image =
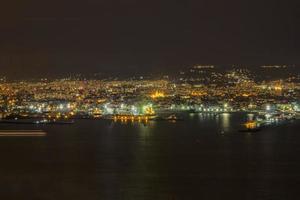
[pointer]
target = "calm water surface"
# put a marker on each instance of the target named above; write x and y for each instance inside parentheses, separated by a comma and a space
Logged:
(204, 157)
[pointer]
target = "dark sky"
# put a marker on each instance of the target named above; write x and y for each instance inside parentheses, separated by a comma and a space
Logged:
(57, 37)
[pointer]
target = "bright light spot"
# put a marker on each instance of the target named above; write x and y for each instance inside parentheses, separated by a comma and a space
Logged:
(157, 94)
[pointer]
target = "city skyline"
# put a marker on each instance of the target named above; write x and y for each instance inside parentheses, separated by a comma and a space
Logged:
(263, 72)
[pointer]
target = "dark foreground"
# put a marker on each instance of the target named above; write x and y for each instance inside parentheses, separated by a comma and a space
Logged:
(204, 157)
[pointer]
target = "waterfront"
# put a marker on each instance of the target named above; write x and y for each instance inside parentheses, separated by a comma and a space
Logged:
(204, 157)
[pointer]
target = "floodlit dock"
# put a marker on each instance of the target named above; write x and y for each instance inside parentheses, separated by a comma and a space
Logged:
(22, 133)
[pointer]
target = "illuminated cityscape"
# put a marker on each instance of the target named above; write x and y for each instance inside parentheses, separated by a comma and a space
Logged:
(201, 89)
(149, 100)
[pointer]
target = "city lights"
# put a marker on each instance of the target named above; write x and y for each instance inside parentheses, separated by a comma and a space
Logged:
(200, 89)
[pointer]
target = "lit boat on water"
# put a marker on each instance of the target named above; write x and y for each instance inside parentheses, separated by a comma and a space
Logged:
(251, 126)
(171, 117)
(174, 118)
(129, 117)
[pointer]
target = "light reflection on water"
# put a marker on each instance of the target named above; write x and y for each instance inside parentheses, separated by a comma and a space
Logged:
(225, 119)
(188, 159)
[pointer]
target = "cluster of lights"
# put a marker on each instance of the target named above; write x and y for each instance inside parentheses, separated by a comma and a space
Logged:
(148, 110)
(157, 94)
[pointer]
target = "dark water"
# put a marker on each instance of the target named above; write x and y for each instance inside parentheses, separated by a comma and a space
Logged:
(204, 157)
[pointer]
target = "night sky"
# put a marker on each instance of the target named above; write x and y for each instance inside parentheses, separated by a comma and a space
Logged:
(60, 37)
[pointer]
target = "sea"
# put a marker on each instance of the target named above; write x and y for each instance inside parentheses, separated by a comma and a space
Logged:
(205, 156)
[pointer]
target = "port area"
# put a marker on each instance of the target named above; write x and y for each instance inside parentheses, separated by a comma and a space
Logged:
(22, 133)
(263, 120)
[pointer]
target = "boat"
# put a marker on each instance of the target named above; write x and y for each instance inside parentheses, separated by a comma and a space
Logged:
(125, 117)
(251, 126)
(171, 117)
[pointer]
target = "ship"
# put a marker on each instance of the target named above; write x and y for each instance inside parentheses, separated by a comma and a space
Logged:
(250, 126)
(125, 117)
(171, 117)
